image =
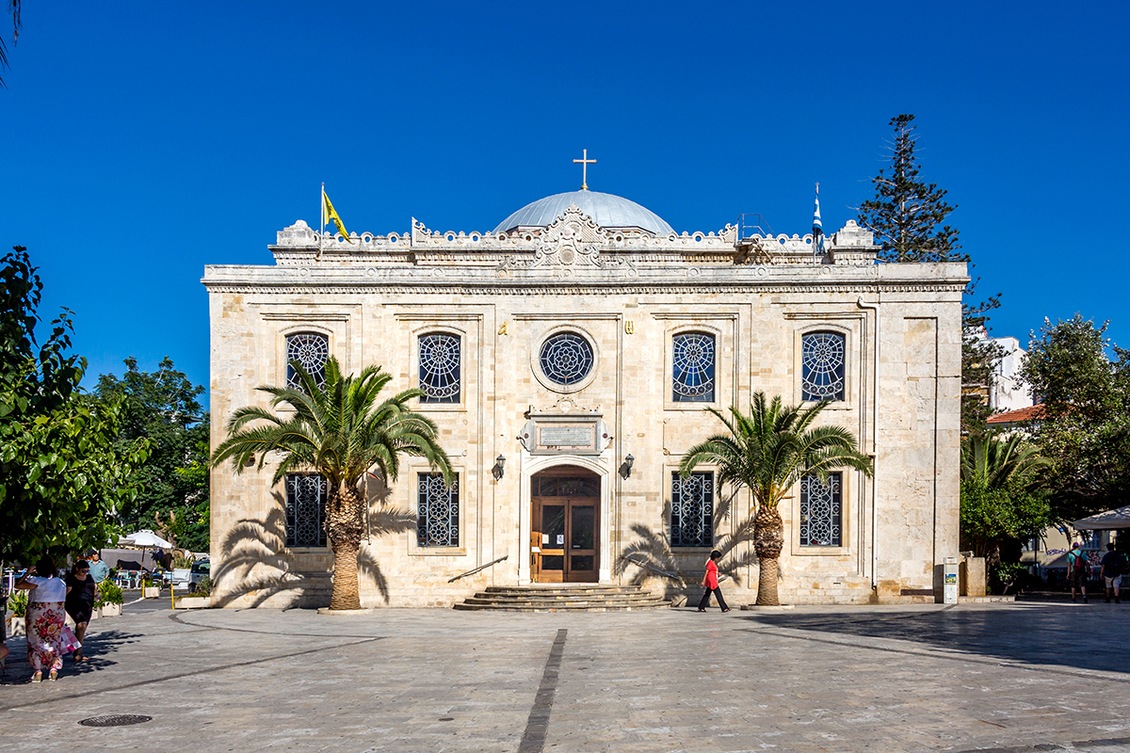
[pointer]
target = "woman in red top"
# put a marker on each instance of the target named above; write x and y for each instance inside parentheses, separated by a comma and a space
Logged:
(710, 583)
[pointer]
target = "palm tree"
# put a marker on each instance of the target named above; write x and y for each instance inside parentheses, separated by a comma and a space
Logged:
(768, 452)
(997, 463)
(1003, 499)
(340, 431)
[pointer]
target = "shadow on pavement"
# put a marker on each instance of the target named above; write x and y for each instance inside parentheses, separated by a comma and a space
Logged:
(99, 650)
(1088, 637)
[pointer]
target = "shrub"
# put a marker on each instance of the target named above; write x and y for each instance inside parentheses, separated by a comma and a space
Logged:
(109, 593)
(17, 603)
(203, 587)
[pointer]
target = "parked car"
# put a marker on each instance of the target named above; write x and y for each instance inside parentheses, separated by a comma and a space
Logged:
(200, 570)
(181, 578)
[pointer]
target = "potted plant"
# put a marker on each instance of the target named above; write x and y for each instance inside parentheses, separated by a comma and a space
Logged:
(17, 613)
(148, 589)
(200, 598)
(110, 598)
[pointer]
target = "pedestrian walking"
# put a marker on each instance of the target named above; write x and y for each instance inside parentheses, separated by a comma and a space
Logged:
(710, 583)
(1078, 570)
(48, 636)
(81, 592)
(1112, 566)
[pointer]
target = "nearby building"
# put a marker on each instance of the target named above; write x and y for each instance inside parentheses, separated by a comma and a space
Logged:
(567, 357)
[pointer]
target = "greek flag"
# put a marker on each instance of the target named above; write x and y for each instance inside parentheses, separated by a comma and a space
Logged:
(817, 226)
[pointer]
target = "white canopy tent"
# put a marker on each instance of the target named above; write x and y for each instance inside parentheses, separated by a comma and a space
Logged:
(1105, 521)
(145, 539)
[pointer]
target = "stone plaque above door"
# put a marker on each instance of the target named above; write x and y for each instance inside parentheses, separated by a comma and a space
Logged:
(564, 429)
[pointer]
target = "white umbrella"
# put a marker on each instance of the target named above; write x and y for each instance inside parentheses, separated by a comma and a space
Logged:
(146, 538)
(1105, 521)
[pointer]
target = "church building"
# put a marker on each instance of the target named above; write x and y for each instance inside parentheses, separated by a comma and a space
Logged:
(568, 356)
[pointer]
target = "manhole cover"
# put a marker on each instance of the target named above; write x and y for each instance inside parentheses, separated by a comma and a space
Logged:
(114, 720)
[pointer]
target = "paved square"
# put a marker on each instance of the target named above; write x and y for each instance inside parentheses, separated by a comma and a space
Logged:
(1016, 677)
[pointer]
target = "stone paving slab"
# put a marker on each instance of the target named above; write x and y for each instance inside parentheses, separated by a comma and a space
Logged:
(1000, 677)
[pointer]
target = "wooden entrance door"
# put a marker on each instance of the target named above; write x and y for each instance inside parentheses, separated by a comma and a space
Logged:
(566, 519)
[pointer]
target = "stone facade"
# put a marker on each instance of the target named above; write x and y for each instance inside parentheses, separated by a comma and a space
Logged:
(630, 295)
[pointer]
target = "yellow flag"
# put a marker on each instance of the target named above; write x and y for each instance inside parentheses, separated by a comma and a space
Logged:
(333, 216)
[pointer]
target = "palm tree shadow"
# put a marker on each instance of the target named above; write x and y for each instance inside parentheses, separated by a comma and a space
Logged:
(383, 521)
(254, 561)
(649, 556)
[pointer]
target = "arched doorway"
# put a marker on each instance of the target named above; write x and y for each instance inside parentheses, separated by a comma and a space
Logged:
(565, 530)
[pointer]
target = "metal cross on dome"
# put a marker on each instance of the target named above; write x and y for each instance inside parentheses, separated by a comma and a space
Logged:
(584, 162)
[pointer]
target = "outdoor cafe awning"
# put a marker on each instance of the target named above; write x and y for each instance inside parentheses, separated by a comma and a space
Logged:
(1105, 521)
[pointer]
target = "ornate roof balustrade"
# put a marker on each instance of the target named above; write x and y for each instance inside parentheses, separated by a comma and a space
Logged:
(573, 239)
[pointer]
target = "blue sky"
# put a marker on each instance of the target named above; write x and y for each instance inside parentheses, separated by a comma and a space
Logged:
(140, 141)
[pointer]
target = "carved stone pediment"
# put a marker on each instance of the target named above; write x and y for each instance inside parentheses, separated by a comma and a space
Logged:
(571, 241)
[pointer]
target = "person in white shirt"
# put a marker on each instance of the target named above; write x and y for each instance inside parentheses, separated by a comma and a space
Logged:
(48, 636)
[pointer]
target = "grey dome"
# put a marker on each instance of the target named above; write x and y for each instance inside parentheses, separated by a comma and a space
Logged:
(605, 209)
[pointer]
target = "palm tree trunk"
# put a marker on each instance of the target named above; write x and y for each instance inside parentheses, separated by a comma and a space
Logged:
(344, 518)
(768, 540)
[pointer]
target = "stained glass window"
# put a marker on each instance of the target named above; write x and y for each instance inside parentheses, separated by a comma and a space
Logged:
(305, 510)
(439, 368)
(566, 358)
(437, 511)
(693, 367)
(821, 510)
(311, 350)
(692, 509)
(822, 366)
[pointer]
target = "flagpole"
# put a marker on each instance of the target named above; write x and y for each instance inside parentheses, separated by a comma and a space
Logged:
(322, 216)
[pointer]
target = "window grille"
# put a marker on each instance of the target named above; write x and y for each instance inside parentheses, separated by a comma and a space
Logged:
(692, 370)
(311, 350)
(821, 510)
(692, 509)
(566, 358)
(567, 486)
(305, 510)
(439, 368)
(437, 509)
(822, 366)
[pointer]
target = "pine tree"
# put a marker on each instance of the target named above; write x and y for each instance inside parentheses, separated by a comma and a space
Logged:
(906, 213)
(908, 217)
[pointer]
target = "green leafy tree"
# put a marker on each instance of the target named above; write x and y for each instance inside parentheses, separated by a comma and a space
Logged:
(768, 452)
(1002, 502)
(14, 8)
(62, 476)
(162, 406)
(341, 431)
(1085, 427)
(909, 218)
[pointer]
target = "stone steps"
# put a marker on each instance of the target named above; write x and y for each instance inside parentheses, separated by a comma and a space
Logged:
(563, 598)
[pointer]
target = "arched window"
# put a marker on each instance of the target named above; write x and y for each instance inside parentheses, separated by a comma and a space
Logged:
(692, 368)
(821, 510)
(440, 368)
(822, 366)
(692, 509)
(437, 511)
(305, 510)
(566, 358)
(311, 350)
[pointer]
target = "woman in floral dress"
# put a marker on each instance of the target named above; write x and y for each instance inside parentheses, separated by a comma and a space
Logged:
(48, 637)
